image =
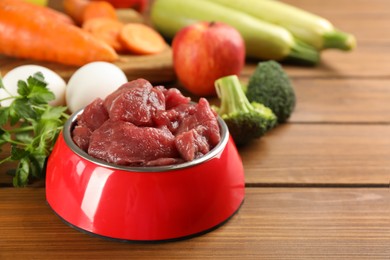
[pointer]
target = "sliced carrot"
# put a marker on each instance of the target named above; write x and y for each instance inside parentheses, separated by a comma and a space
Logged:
(83, 10)
(105, 29)
(138, 5)
(75, 9)
(28, 33)
(141, 39)
(99, 9)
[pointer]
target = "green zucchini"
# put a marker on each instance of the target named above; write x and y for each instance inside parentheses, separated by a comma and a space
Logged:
(306, 26)
(263, 40)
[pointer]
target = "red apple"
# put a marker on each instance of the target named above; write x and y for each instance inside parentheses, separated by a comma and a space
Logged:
(204, 52)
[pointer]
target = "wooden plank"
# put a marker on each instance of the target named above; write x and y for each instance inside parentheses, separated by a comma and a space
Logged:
(341, 6)
(334, 100)
(359, 17)
(272, 224)
(364, 62)
(286, 155)
(312, 154)
(319, 154)
(156, 68)
(342, 100)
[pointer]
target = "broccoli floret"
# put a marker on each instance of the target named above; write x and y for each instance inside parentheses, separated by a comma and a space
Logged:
(245, 120)
(271, 86)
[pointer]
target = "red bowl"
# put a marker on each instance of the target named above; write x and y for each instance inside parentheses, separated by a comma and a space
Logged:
(144, 204)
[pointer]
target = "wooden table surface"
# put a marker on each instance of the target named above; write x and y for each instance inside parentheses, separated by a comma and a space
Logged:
(316, 187)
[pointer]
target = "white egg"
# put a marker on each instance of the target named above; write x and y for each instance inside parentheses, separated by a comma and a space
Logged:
(54, 83)
(91, 81)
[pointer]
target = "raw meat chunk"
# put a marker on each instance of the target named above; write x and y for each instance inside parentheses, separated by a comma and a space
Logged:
(124, 143)
(81, 135)
(142, 125)
(204, 121)
(191, 145)
(94, 115)
(136, 102)
(172, 118)
(174, 98)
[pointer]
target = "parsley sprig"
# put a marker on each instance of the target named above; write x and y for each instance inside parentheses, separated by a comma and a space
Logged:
(30, 126)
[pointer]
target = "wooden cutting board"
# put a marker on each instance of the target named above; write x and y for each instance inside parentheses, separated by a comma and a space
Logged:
(156, 68)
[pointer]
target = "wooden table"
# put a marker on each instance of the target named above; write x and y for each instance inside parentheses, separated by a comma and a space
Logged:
(316, 187)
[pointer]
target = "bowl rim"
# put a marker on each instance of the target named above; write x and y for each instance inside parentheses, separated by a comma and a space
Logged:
(70, 124)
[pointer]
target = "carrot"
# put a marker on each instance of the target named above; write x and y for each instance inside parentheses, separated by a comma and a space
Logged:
(83, 10)
(138, 5)
(141, 39)
(75, 9)
(99, 9)
(46, 11)
(28, 33)
(105, 29)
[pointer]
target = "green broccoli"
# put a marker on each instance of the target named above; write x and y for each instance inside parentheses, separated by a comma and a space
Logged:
(271, 86)
(245, 120)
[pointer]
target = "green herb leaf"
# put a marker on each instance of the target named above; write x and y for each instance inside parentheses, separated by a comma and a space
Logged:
(23, 88)
(18, 153)
(5, 136)
(46, 131)
(14, 117)
(40, 95)
(24, 136)
(2, 138)
(23, 109)
(22, 172)
(37, 80)
(38, 126)
(1, 82)
(4, 114)
(37, 164)
(53, 113)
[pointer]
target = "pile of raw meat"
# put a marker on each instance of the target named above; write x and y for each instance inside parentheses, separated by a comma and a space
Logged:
(142, 125)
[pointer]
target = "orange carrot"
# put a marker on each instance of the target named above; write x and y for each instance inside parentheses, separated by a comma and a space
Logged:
(138, 5)
(83, 10)
(99, 9)
(46, 11)
(141, 39)
(105, 29)
(28, 33)
(75, 9)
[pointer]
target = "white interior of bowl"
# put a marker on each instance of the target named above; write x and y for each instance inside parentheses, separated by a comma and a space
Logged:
(70, 123)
